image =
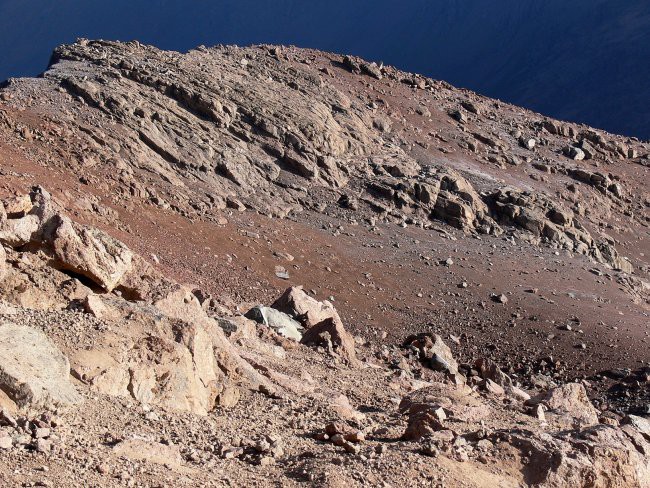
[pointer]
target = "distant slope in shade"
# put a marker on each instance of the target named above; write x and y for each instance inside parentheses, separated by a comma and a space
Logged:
(584, 61)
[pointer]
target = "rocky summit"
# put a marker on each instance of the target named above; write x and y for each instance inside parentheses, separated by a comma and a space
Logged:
(272, 266)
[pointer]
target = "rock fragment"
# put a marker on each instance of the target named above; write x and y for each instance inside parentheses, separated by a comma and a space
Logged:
(33, 372)
(331, 334)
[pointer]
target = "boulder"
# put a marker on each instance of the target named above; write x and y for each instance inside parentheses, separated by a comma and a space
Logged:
(489, 370)
(434, 352)
(574, 153)
(90, 253)
(171, 380)
(34, 373)
(17, 206)
(429, 408)
(101, 371)
(276, 320)
(569, 404)
(18, 232)
(597, 456)
(639, 423)
(331, 334)
(305, 309)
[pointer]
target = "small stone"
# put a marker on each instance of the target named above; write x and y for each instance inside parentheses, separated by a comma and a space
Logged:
(42, 433)
(528, 143)
(439, 414)
(5, 442)
(492, 387)
(356, 437)
(351, 448)
(281, 272)
(430, 450)
(43, 445)
(267, 461)
(232, 453)
(499, 298)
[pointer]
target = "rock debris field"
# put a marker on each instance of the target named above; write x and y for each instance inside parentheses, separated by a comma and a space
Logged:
(273, 266)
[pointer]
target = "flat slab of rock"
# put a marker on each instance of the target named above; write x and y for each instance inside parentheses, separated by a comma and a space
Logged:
(33, 371)
(153, 452)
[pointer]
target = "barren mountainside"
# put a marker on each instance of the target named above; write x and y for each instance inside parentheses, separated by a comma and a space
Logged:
(274, 266)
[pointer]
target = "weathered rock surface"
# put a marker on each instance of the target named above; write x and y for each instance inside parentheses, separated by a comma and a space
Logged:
(331, 334)
(569, 402)
(176, 356)
(199, 132)
(278, 321)
(434, 352)
(305, 309)
(91, 253)
(34, 374)
(174, 152)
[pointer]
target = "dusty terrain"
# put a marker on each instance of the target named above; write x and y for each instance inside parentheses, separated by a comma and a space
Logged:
(409, 205)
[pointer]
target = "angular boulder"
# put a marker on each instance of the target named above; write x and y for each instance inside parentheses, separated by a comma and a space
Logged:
(569, 404)
(305, 309)
(90, 253)
(276, 320)
(489, 370)
(331, 334)
(433, 352)
(597, 456)
(428, 409)
(18, 232)
(33, 371)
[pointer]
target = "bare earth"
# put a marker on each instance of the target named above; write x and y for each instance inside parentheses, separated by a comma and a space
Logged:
(410, 206)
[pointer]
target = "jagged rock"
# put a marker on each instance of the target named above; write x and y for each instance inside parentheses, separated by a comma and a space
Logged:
(527, 143)
(331, 333)
(640, 424)
(18, 232)
(188, 364)
(278, 321)
(471, 107)
(489, 370)
(305, 309)
(429, 407)
(372, 69)
(100, 370)
(33, 372)
(569, 404)
(350, 63)
(434, 352)
(574, 153)
(90, 253)
(459, 116)
(596, 456)
(16, 207)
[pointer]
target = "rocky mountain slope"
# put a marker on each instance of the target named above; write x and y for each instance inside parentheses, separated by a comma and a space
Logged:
(474, 278)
